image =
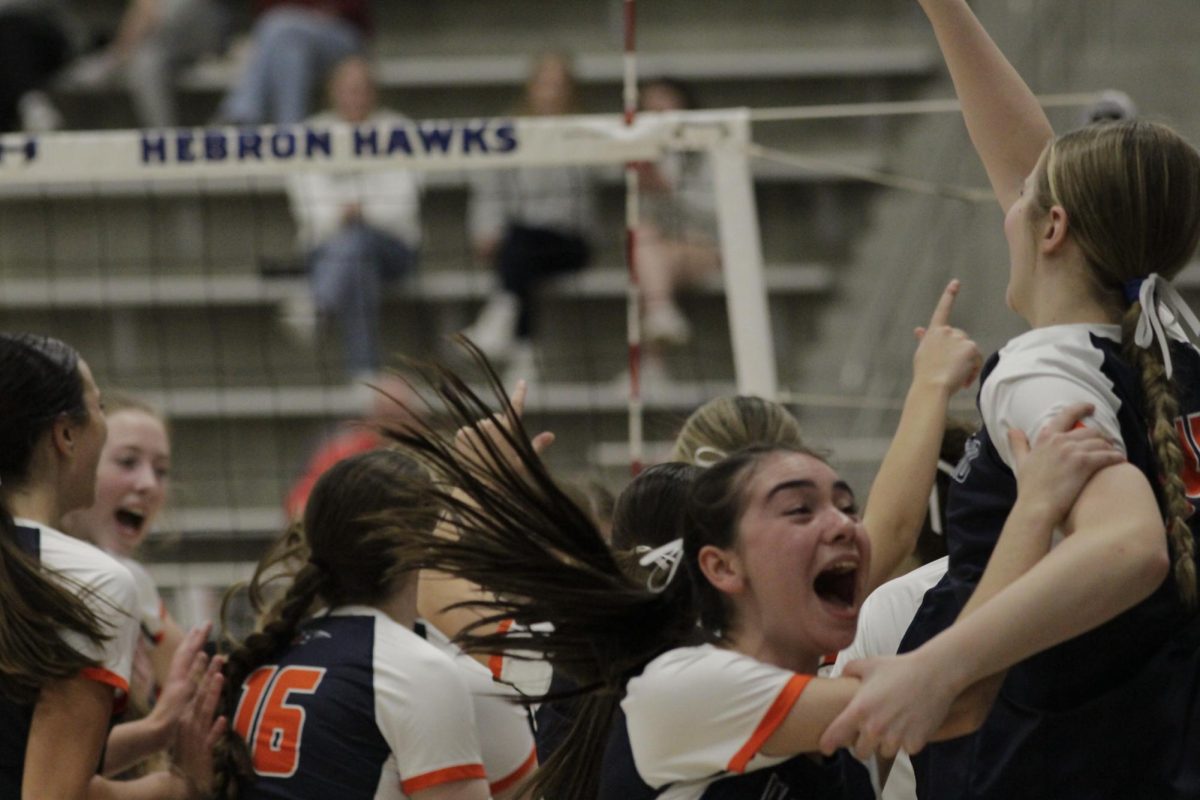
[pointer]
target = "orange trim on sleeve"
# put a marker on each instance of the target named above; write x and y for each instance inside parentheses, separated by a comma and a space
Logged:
(516, 775)
(496, 662)
(774, 717)
(829, 659)
(463, 772)
(101, 675)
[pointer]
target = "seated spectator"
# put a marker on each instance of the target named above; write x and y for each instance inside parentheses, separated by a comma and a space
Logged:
(36, 40)
(531, 224)
(358, 230)
(154, 41)
(296, 43)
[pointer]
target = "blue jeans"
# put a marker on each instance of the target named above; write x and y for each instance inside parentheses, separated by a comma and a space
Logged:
(348, 273)
(294, 49)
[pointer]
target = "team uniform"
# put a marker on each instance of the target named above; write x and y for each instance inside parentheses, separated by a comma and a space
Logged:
(884, 617)
(151, 610)
(358, 708)
(694, 722)
(505, 735)
(1112, 713)
(108, 589)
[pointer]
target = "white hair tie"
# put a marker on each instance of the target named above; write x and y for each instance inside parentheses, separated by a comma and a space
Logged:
(1160, 301)
(665, 560)
(706, 456)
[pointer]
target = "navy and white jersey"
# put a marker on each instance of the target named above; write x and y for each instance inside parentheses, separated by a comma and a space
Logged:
(1068, 719)
(358, 708)
(108, 589)
(152, 611)
(505, 732)
(696, 719)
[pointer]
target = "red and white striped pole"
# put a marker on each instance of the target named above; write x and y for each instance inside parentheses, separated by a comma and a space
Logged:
(633, 294)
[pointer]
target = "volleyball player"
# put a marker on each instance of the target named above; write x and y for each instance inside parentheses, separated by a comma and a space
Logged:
(337, 696)
(69, 623)
(1097, 222)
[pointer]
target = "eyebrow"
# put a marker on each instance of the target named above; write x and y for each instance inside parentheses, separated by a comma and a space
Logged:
(783, 487)
(842, 486)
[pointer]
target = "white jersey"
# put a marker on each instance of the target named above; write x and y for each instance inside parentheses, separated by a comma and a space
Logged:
(107, 588)
(885, 616)
(505, 735)
(697, 714)
(358, 708)
(152, 611)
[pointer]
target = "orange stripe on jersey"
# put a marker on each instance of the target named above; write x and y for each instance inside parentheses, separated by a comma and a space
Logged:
(829, 659)
(463, 772)
(496, 662)
(511, 780)
(102, 675)
(774, 717)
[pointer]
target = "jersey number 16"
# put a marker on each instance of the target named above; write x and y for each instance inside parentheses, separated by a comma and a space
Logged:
(271, 727)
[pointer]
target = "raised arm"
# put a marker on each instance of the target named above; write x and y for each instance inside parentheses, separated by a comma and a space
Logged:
(946, 361)
(1005, 121)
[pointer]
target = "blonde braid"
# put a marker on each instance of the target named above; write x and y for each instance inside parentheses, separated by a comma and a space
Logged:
(1162, 407)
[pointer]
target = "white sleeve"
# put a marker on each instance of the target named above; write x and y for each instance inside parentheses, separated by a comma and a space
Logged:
(1038, 385)
(316, 203)
(112, 595)
(696, 712)
(505, 735)
(151, 610)
(424, 713)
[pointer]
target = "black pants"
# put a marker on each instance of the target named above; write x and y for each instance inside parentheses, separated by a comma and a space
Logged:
(528, 257)
(32, 48)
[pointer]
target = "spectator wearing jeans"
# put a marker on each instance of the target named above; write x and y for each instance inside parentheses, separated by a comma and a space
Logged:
(295, 44)
(359, 230)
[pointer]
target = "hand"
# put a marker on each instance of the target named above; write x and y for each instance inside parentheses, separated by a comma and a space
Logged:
(1065, 456)
(473, 441)
(899, 705)
(186, 670)
(946, 356)
(198, 733)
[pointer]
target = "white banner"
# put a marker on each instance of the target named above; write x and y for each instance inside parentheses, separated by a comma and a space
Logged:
(221, 153)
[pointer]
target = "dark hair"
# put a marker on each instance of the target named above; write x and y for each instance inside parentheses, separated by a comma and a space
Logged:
(686, 94)
(648, 511)
(346, 552)
(544, 561)
(39, 382)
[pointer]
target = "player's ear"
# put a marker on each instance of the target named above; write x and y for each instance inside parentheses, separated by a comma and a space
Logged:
(722, 568)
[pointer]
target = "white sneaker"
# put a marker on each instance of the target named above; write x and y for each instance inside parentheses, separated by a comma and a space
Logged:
(664, 323)
(522, 364)
(38, 114)
(494, 330)
(298, 315)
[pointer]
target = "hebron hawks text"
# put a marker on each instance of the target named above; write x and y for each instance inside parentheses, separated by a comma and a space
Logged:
(418, 139)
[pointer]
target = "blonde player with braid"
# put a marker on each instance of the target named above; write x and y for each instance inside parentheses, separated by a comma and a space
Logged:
(1100, 636)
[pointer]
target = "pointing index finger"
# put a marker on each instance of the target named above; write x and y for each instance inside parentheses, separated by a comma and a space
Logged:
(941, 314)
(517, 398)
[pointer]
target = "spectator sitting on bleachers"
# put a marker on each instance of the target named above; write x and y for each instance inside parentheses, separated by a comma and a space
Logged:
(37, 38)
(531, 224)
(358, 230)
(154, 41)
(295, 44)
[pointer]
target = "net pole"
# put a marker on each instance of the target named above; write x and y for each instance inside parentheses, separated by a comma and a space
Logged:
(632, 214)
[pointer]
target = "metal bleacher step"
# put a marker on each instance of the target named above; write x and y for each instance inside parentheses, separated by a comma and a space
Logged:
(432, 285)
(458, 71)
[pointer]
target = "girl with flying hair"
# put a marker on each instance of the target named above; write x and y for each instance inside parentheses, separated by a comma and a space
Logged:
(69, 625)
(1099, 637)
(337, 695)
(712, 657)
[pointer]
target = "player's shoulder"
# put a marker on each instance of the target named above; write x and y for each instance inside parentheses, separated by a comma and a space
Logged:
(86, 564)
(401, 650)
(1058, 348)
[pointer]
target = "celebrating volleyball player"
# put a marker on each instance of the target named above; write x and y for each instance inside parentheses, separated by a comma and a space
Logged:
(69, 624)
(337, 696)
(1100, 634)
(773, 563)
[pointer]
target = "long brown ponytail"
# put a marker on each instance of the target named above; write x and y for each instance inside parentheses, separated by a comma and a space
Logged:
(39, 381)
(1131, 191)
